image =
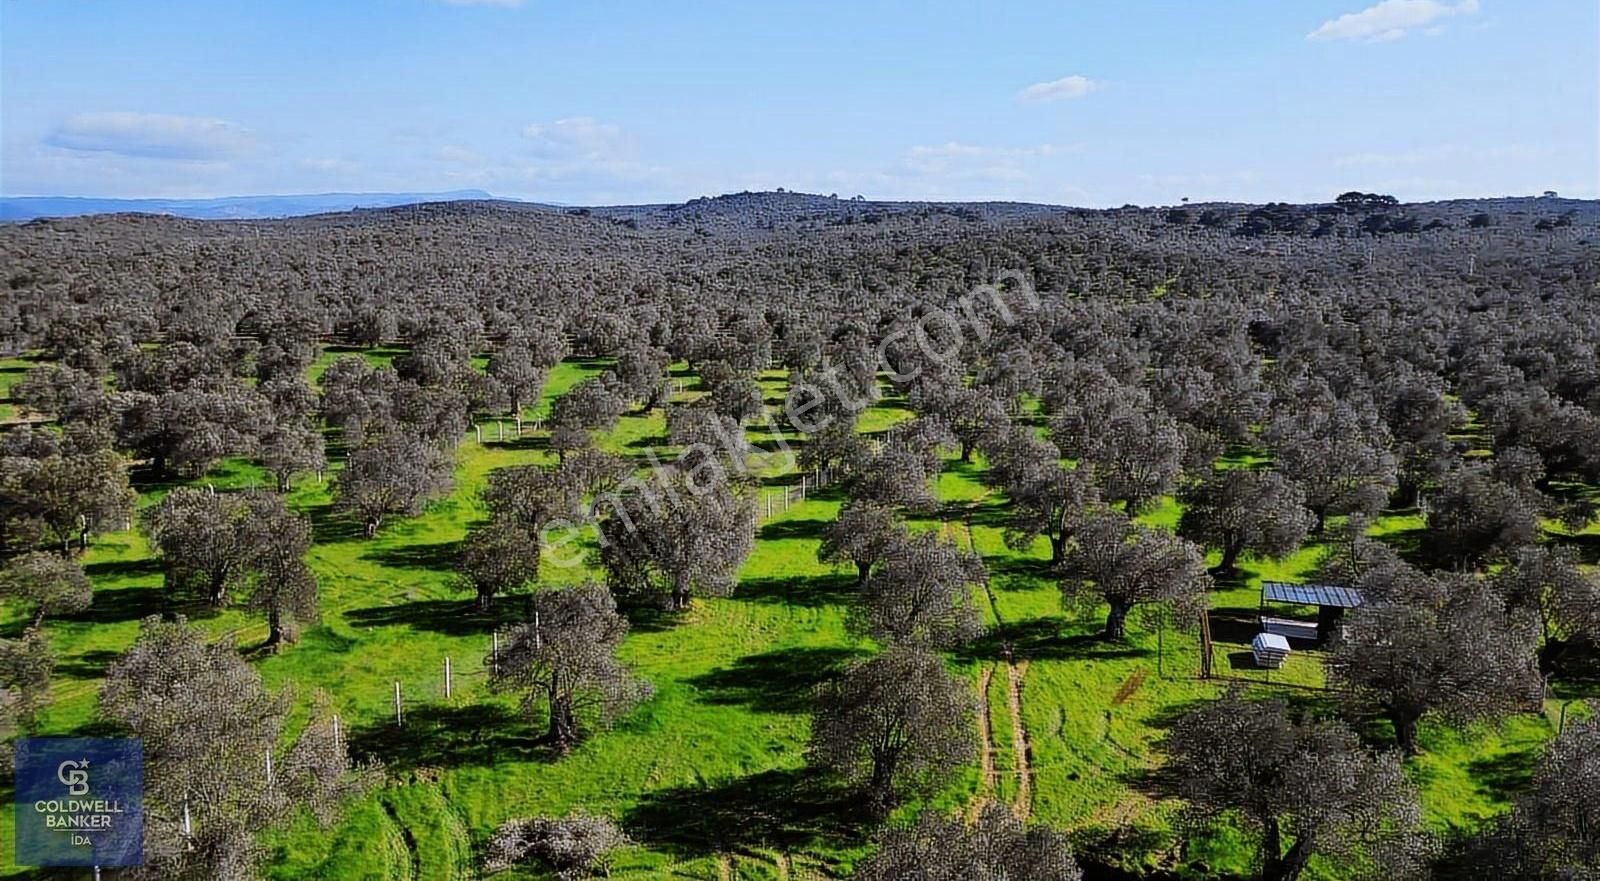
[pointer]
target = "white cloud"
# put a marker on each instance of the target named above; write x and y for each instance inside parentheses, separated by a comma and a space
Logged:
(152, 136)
(1074, 86)
(577, 138)
(1391, 20)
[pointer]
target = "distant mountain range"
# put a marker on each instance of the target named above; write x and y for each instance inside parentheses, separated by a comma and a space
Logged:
(226, 208)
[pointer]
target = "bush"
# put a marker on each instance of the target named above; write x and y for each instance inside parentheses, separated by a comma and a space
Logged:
(578, 846)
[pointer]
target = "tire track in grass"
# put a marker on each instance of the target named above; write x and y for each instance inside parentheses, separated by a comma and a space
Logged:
(986, 774)
(406, 837)
(1021, 749)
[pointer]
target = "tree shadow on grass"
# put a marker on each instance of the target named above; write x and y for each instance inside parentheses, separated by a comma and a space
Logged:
(780, 681)
(116, 604)
(1506, 775)
(449, 617)
(799, 527)
(329, 525)
(1040, 639)
(476, 735)
(1234, 624)
(89, 665)
(806, 592)
(788, 810)
(1037, 568)
(439, 557)
(1586, 546)
(149, 567)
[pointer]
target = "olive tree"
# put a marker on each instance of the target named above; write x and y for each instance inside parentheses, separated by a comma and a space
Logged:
(1450, 647)
(1045, 497)
(573, 847)
(1125, 565)
(894, 725)
(860, 535)
(45, 584)
(1242, 510)
(922, 594)
(393, 476)
(563, 664)
(676, 538)
(498, 557)
(1307, 788)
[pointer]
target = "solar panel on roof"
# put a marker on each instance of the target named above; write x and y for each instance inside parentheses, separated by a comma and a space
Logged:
(1311, 594)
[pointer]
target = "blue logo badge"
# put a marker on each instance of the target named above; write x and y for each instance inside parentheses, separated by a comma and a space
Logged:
(80, 801)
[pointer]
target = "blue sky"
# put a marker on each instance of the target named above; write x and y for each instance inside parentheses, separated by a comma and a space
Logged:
(1087, 103)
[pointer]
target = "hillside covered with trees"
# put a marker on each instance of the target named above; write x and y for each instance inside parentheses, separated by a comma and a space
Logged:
(776, 535)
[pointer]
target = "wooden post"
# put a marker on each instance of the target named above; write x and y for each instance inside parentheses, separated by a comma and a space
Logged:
(1205, 644)
(447, 676)
(338, 735)
(769, 506)
(494, 653)
(501, 427)
(399, 714)
(269, 767)
(478, 429)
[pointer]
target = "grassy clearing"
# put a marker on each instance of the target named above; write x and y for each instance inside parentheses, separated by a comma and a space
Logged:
(703, 773)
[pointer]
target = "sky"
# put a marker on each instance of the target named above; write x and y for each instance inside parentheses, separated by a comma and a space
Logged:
(1070, 102)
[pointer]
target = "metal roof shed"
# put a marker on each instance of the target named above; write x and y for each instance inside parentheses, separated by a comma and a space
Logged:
(1330, 599)
(1326, 595)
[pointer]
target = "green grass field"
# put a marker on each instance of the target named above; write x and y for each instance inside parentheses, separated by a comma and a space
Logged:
(701, 775)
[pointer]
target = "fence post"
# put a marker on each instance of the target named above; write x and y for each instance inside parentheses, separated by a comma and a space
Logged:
(447, 676)
(479, 430)
(501, 427)
(399, 714)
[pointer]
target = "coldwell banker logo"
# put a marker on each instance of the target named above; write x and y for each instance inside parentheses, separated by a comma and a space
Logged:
(80, 801)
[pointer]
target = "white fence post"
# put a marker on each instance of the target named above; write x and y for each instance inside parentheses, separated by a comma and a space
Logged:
(399, 714)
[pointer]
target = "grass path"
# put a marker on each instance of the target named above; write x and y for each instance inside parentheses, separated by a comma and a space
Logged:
(986, 749)
(1020, 748)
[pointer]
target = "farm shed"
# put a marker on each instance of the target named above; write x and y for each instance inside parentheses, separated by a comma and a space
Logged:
(1331, 602)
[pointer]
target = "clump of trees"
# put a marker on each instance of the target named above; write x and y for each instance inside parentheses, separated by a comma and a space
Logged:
(219, 546)
(218, 768)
